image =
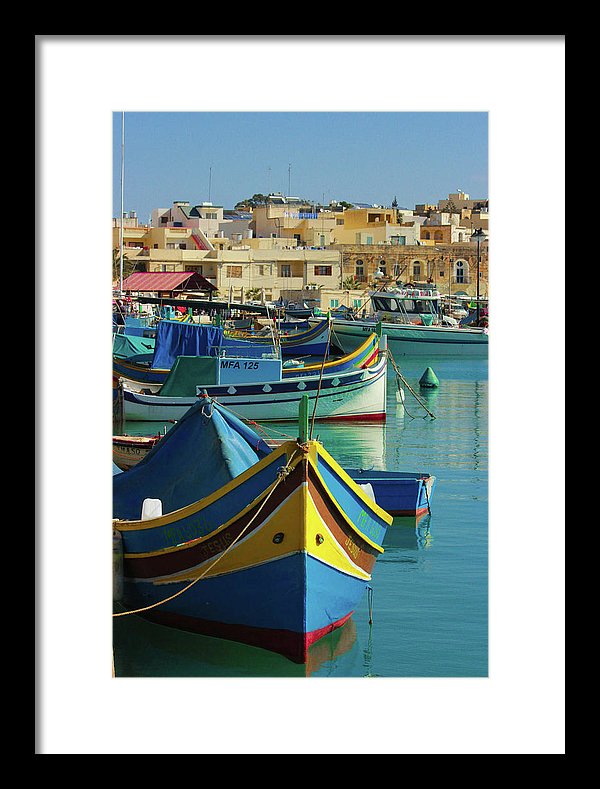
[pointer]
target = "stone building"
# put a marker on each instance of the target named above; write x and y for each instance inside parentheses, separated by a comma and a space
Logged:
(452, 267)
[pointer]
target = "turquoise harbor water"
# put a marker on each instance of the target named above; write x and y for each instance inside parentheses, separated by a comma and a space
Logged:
(429, 601)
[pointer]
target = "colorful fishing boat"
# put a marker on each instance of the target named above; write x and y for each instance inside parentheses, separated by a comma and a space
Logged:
(408, 339)
(414, 321)
(277, 557)
(256, 390)
(313, 341)
(141, 375)
(129, 450)
(400, 493)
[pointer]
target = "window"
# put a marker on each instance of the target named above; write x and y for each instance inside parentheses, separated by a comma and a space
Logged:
(386, 305)
(163, 220)
(369, 239)
(356, 303)
(182, 246)
(322, 271)
(359, 270)
(234, 272)
(286, 270)
(382, 267)
(459, 272)
(334, 302)
(416, 270)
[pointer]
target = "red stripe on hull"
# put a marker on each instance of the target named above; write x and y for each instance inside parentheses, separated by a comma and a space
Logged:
(371, 360)
(293, 646)
(356, 418)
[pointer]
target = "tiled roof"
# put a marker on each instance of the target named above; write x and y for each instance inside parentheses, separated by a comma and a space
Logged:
(165, 280)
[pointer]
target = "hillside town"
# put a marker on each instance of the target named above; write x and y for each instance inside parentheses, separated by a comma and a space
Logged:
(281, 248)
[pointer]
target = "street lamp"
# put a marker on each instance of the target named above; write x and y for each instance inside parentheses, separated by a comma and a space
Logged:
(478, 236)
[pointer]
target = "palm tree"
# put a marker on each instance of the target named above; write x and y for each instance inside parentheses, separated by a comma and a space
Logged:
(129, 266)
(350, 283)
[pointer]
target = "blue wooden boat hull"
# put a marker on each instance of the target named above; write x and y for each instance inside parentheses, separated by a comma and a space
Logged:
(282, 554)
(397, 492)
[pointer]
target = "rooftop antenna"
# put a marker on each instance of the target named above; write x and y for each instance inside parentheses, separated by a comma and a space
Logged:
(209, 181)
(289, 179)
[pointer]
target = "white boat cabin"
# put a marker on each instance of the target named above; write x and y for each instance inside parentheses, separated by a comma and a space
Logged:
(408, 305)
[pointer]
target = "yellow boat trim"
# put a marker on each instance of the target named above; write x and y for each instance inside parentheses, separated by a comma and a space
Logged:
(351, 483)
(350, 356)
(190, 509)
(255, 548)
(368, 502)
(299, 521)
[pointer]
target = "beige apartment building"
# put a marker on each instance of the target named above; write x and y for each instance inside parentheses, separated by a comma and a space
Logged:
(300, 223)
(261, 265)
(377, 226)
(293, 248)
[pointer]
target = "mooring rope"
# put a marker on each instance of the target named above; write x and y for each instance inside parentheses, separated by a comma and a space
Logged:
(282, 473)
(254, 424)
(408, 386)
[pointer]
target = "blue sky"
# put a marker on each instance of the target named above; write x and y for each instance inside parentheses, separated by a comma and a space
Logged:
(368, 157)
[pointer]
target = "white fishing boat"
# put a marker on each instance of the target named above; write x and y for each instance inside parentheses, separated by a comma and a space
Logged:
(414, 323)
(255, 389)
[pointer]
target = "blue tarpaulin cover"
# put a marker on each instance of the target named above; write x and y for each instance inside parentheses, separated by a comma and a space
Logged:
(203, 451)
(174, 338)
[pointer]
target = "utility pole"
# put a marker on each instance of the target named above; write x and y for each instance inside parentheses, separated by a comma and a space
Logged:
(121, 220)
(478, 235)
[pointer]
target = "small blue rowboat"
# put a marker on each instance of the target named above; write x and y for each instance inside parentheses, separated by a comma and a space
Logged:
(401, 493)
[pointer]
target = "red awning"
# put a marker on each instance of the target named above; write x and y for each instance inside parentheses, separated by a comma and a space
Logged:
(167, 280)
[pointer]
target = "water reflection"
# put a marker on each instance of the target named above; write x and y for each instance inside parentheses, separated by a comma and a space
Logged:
(353, 445)
(146, 649)
(408, 533)
(368, 656)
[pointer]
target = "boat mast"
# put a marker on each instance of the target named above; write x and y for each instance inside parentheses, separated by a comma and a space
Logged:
(121, 221)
